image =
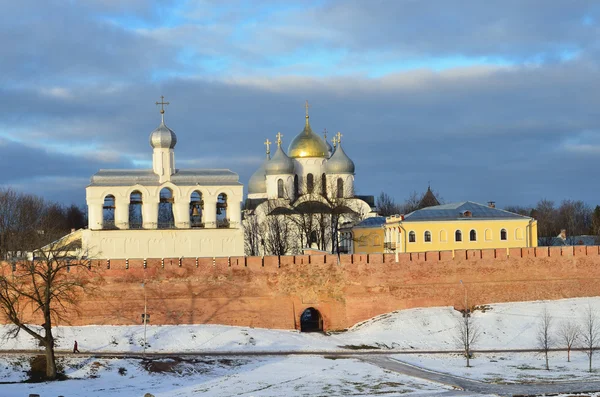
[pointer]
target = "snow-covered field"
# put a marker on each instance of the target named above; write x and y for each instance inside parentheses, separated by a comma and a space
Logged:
(503, 326)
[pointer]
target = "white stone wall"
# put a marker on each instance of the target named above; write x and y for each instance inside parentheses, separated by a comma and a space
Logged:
(161, 243)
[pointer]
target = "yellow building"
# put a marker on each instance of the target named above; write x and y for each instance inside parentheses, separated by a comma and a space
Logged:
(368, 236)
(464, 225)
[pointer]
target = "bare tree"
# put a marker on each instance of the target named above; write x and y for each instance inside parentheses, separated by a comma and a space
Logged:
(252, 234)
(590, 333)
(386, 205)
(569, 334)
(544, 338)
(45, 288)
(467, 334)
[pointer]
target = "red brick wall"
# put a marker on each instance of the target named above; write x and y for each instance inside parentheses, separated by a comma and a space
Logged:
(272, 292)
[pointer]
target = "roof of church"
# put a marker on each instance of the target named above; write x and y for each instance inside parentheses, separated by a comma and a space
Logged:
(204, 177)
(428, 199)
(455, 211)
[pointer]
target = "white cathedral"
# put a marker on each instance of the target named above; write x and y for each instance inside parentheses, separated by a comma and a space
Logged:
(302, 199)
(163, 212)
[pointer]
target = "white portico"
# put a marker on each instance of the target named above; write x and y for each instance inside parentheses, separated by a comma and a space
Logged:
(164, 211)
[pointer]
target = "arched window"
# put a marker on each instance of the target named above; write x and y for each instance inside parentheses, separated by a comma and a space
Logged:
(324, 185)
(488, 235)
(296, 187)
(313, 237)
(108, 212)
(310, 183)
(340, 188)
(412, 237)
(165, 209)
(196, 209)
(135, 210)
(443, 236)
(427, 237)
(458, 236)
(222, 218)
(279, 188)
(503, 235)
(519, 234)
(473, 235)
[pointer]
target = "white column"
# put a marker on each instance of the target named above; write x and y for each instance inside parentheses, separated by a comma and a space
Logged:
(122, 212)
(95, 214)
(150, 213)
(181, 213)
(234, 210)
(209, 216)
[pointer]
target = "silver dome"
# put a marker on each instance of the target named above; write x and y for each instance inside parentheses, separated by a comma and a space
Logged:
(280, 163)
(163, 137)
(258, 180)
(329, 148)
(339, 162)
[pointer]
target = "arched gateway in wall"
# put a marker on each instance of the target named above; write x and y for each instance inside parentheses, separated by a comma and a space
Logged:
(311, 320)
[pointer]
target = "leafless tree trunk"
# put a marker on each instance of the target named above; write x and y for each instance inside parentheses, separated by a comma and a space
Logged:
(544, 338)
(467, 334)
(45, 286)
(590, 333)
(569, 334)
(252, 235)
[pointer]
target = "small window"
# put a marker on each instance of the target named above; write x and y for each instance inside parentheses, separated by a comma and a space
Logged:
(458, 236)
(340, 188)
(427, 236)
(473, 235)
(503, 234)
(296, 187)
(324, 185)
(280, 188)
(412, 237)
(310, 183)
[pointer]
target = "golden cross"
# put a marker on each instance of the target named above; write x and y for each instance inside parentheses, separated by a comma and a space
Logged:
(268, 144)
(339, 137)
(334, 140)
(279, 135)
(325, 133)
(306, 106)
(162, 104)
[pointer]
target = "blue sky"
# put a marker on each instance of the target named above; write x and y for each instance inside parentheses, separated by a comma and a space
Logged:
(493, 100)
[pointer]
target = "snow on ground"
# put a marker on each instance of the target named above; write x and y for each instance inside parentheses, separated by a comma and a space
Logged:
(509, 367)
(221, 377)
(503, 326)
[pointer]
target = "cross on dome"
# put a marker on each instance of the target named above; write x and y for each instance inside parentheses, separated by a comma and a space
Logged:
(268, 145)
(162, 104)
(339, 137)
(279, 135)
(325, 133)
(335, 141)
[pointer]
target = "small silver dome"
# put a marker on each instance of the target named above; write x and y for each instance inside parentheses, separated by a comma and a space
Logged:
(163, 137)
(280, 163)
(258, 180)
(339, 162)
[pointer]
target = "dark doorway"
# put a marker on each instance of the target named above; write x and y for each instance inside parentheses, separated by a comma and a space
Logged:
(311, 321)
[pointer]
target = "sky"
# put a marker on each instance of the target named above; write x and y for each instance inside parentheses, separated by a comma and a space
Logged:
(492, 100)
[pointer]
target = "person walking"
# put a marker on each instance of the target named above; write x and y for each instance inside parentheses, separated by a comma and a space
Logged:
(75, 349)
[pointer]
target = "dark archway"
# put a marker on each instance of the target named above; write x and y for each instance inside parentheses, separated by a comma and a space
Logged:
(311, 320)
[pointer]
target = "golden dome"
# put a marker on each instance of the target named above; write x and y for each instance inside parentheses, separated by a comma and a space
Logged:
(307, 144)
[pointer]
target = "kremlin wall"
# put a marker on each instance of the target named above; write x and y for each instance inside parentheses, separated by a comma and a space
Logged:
(272, 292)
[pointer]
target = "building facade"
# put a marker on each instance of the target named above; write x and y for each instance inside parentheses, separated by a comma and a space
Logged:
(164, 211)
(464, 225)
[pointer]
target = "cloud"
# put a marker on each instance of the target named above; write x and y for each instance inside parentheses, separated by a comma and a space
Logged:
(485, 100)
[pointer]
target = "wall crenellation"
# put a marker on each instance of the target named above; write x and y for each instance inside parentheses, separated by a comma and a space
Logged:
(275, 262)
